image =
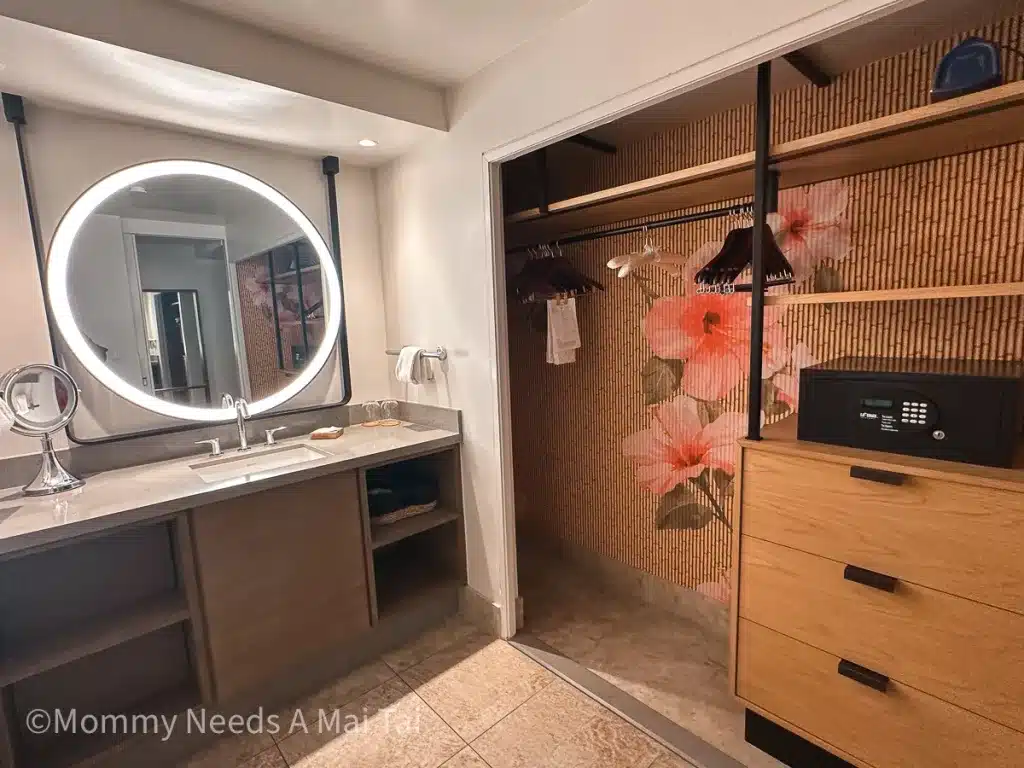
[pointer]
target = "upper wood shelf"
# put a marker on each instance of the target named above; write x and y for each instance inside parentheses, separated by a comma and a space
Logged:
(977, 121)
(899, 294)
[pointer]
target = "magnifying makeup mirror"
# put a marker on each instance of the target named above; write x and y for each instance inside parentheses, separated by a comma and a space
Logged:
(41, 400)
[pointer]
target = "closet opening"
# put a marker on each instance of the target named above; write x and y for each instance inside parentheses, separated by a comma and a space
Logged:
(889, 232)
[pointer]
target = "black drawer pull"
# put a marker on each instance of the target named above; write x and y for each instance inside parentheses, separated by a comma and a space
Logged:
(870, 578)
(877, 475)
(863, 675)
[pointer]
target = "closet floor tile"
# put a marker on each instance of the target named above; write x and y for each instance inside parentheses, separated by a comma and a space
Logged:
(674, 665)
(476, 683)
(562, 728)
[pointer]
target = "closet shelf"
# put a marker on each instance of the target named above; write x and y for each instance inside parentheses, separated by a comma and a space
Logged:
(899, 294)
(94, 637)
(989, 118)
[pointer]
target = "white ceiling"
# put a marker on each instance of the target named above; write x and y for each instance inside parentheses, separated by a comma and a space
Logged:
(441, 41)
(59, 69)
(901, 31)
(198, 196)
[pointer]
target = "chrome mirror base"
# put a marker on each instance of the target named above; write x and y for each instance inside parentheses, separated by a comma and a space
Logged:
(52, 477)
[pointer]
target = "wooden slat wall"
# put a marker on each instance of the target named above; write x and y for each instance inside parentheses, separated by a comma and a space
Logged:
(953, 221)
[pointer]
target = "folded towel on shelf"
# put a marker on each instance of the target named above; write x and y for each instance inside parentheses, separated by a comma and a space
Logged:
(412, 367)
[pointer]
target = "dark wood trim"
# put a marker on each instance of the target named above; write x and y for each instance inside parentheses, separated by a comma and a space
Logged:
(809, 68)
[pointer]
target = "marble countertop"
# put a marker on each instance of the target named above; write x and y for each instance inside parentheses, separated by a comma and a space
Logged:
(137, 494)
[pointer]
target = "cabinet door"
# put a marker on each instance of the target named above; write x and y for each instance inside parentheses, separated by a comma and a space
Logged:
(283, 579)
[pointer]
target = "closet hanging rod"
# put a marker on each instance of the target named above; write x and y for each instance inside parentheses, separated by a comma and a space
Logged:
(686, 218)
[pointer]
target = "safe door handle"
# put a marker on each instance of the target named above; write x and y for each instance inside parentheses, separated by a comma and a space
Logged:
(871, 579)
(864, 676)
(877, 475)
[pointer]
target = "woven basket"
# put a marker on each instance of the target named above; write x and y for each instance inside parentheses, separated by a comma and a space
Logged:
(404, 513)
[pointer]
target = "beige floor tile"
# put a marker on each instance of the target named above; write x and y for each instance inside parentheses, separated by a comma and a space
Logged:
(467, 758)
(333, 696)
(454, 630)
(562, 728)
(475, 684)
(232, 751)
(389, 727)
(270, 758)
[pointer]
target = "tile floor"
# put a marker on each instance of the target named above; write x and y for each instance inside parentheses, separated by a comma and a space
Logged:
(453, 699)
(674, 666)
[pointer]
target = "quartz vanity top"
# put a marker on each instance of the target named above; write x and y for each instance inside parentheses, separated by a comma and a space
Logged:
(136, 494)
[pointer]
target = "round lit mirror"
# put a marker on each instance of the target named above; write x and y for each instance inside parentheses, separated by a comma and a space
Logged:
(176, 282)
(40, 400)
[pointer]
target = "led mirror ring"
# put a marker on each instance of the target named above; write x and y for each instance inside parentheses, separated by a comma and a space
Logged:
(59, 260)
(18, 376)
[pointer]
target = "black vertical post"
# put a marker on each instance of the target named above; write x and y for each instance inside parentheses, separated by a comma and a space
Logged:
(762, 148)
(331, 166)
(14, 113)
(543, 180)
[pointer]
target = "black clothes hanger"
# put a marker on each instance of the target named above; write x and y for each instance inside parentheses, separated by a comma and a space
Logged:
(551, 277)
(719, 275)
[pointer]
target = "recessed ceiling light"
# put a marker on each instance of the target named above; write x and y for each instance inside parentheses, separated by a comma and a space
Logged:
(367, 143)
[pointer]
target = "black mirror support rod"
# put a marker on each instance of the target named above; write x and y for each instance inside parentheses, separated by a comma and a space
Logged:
(14, 112)
(762, 189)
(331, 165)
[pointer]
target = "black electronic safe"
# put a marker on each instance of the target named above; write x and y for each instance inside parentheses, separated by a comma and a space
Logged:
(957, 410)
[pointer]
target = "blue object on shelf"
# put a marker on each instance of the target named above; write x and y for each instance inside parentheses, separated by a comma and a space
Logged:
(973, 65)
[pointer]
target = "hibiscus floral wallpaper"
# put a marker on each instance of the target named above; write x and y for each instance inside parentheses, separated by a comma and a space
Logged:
(630, 451)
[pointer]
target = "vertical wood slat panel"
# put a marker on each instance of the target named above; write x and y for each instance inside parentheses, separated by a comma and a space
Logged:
(952, 221)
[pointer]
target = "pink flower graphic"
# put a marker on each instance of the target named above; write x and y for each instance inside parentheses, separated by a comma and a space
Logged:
(720, 590)
(788, 384)
(677, 447)
(711, 334)
(811, 226)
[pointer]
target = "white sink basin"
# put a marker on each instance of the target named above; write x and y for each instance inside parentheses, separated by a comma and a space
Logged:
(255, 462)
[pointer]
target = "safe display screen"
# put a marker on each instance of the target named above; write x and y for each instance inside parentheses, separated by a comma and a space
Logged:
(874, 402)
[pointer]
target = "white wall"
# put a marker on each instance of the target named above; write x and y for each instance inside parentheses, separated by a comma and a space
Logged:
(607, 57)
(69, 152)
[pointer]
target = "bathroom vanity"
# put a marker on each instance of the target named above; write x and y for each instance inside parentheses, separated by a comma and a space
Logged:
(153, 590)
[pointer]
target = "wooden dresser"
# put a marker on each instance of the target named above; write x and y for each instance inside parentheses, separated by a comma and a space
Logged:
(878, 603)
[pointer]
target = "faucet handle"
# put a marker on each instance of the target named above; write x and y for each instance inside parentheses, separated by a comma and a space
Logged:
(271, 440)
(214, 443)
(227, 401)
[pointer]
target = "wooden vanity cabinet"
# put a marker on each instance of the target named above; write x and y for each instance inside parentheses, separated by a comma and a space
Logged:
(283, 579)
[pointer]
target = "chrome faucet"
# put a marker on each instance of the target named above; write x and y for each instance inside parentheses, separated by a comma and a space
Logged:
(241, 414)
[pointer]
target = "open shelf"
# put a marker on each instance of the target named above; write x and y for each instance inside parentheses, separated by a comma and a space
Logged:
(95, 636)
(382, 535)
(899, 294)
(78, 750)
(989, 118)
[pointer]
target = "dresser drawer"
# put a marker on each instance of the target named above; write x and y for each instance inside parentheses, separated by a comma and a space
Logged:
(952, 648)
(957, 538)
(800, 685)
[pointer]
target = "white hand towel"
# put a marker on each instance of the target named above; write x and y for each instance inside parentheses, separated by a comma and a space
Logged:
(408, 369)
(413, 367)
